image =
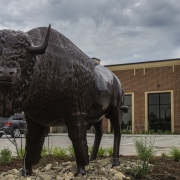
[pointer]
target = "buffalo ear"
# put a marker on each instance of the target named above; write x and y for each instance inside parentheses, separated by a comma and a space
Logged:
(37, 50)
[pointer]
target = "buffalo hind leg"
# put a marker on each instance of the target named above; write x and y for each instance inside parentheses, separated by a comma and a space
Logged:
(116, 125)
(34, 141)
(97, 140)
(77, 130)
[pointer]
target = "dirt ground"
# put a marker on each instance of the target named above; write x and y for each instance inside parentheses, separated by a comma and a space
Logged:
(163, 168)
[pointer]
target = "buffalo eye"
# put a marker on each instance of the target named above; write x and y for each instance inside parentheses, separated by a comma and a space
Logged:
(12, 73)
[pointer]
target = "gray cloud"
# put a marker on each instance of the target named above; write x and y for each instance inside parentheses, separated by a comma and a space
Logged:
(115, 31)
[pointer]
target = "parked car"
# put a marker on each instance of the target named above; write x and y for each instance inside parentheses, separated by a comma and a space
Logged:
(15, 125)
(2, 122)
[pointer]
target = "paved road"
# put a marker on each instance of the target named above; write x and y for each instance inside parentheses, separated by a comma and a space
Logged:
(162, 142)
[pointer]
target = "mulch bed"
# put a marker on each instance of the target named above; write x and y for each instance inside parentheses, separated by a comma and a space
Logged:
(163, 168)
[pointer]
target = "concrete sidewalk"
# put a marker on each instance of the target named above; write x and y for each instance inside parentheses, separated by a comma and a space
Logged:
(122, 135)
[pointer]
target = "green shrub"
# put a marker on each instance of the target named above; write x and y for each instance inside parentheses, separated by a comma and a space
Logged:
(167, 132)
(144, 148)
(159, 131)
(144, 132)
(5, 156)
(175, 132)
(126, 132)
(141, 170)
(151, 131)
(109, 151)
(58, 152)
(136, 132)
(175, 153)
(20, 152)
(164, 155)
(101, 152)
(123, 131)
(90, 148)
(44, 151)
(71, 151)
(145, 151)
(108, 132)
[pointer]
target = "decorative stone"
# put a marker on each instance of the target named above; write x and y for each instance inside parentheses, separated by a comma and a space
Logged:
(103, 178)
(45, 177)
(15, 171)
(57, 168)
(22, 178)
(28, 178)
(70, 174)
(10, 177)
(59, 178)
(66, 163)
(48, 167)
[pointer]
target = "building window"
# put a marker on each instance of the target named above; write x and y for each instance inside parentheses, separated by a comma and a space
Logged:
(127, 117)
(159, 111)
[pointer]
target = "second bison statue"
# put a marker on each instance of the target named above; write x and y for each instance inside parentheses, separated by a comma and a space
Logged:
(45, 75)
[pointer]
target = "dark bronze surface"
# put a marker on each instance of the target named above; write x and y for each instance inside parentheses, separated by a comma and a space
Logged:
(53, 82)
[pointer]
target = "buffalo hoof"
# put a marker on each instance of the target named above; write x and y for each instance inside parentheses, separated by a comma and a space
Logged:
(26, 172)
(116, 162)
(80, 171)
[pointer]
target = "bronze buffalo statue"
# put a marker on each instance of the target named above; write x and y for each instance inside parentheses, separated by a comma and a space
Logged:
(45, 75)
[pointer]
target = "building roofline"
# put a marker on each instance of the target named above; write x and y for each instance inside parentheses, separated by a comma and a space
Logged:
(144, 65)
(143, 62)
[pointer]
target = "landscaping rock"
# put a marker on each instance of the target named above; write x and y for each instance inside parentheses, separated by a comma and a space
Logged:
(15, 171)
(48, 167)
(96, 170)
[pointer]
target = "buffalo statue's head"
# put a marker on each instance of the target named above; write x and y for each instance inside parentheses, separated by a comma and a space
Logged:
(17, 57)
(15, 50)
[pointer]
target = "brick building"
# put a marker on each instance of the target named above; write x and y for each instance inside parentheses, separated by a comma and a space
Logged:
(152, 92)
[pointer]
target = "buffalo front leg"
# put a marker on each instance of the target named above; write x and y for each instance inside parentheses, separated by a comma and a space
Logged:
(34, 141)
(77, 130)
(97, 140)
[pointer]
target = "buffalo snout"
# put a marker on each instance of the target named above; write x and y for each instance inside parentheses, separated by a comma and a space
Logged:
(8, 76)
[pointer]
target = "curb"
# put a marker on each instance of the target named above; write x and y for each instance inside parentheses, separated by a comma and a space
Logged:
(123, 135)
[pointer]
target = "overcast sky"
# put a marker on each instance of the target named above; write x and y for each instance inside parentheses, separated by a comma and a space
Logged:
(115, 31)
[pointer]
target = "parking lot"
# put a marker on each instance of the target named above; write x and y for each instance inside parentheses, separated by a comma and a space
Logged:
(162, 143)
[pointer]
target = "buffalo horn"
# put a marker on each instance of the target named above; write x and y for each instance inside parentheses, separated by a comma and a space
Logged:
(40, 49)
